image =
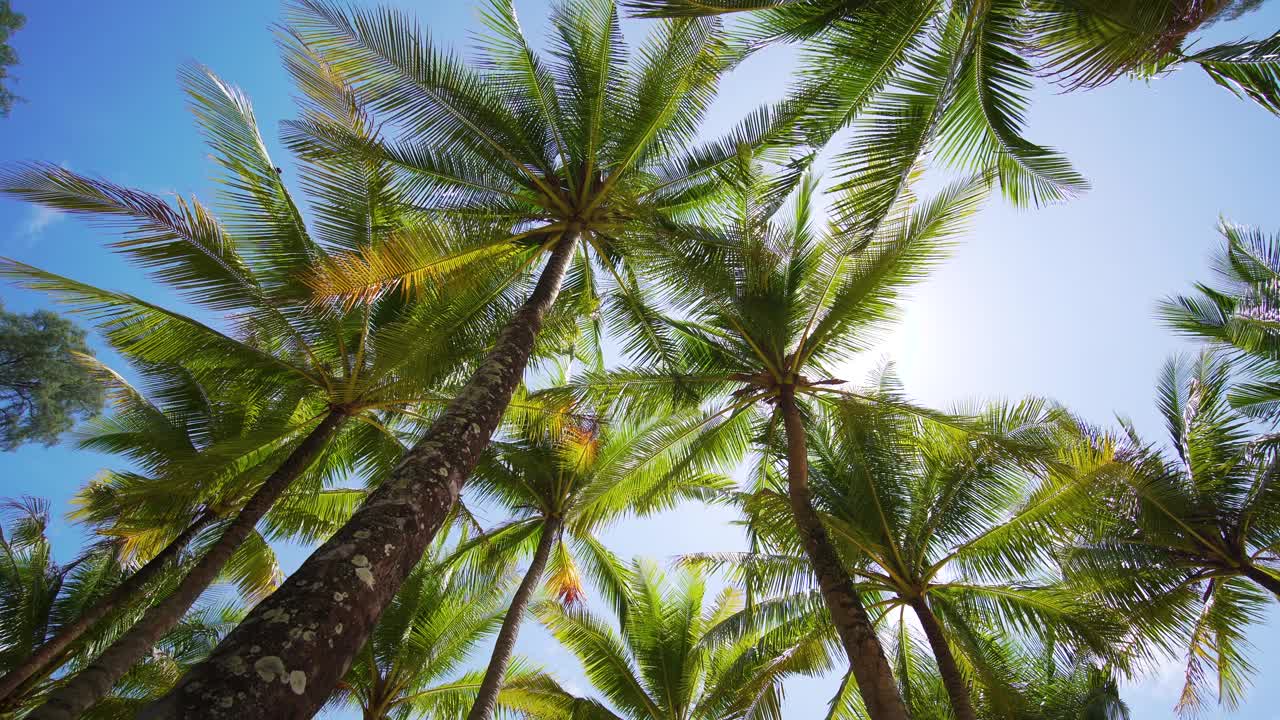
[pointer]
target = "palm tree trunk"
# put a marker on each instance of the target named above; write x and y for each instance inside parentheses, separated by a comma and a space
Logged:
(866, 656)
(376, 707)
(1263, 578)
(126, 592)
(487, 699)
(952, 680)
(298, 643)
(94, 682)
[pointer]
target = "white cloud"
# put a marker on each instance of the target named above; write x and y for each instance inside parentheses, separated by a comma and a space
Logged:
(1160, 686)
(38, 219)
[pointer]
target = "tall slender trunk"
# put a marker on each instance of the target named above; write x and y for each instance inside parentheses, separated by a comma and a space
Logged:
(94, 682)
(952, 680)
(285, 658)
(866, 656)
(1263, 578)
(127, 591)
(487, 699)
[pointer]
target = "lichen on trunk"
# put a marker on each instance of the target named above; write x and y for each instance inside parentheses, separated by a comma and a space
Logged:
(285, 658)
(93, 683)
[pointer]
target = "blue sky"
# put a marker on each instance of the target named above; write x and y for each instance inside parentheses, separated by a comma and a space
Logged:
(1056, 301)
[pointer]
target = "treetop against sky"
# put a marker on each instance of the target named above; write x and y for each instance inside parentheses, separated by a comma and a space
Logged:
(1056, 301)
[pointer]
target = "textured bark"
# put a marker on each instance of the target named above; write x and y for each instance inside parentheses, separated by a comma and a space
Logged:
(487, 699)
(866, 656)
(952, 680)
(1263, 578)
(95, 681)
(286, 657)
(53, 649)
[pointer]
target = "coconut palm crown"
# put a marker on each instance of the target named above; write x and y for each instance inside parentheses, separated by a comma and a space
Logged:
(954, 76)
(770, 303)
(943, 516)
(567, 482)
(521, 149)
(38, 594)
(667, 661)
(1237, 314)
(1186, 538)
(339, 381)
(521, 160)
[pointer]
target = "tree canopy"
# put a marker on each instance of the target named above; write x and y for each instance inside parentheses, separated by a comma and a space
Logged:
(10, 22)
(45, 387)
(517, 297)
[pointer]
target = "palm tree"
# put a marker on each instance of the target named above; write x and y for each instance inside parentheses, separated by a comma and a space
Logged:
(668, 662)
(38, 594)
(1239, 316)
(1185, 542)
(1083, 691)
(371, 362)
(410, 665)
(772, 305)
(564, 158)
(187, 643)
(567, 483)
(945, 518)
(1047, 687)
(161, 524)
(955, 76)
(161, 516)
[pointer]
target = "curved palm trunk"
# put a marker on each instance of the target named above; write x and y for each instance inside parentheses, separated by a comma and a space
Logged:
(23, 692)
(94, 682)
(487, 699)
(285, 658)
(952, 680)
(1263, 578)
(52, 651)
(866, 656)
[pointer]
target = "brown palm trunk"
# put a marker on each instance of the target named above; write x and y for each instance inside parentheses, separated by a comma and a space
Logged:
(285, 658)
(128, 591)
(952, 680)
(94, 682)
(1263, 578)
(377, 707)
(866, 656)
(487, 698)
